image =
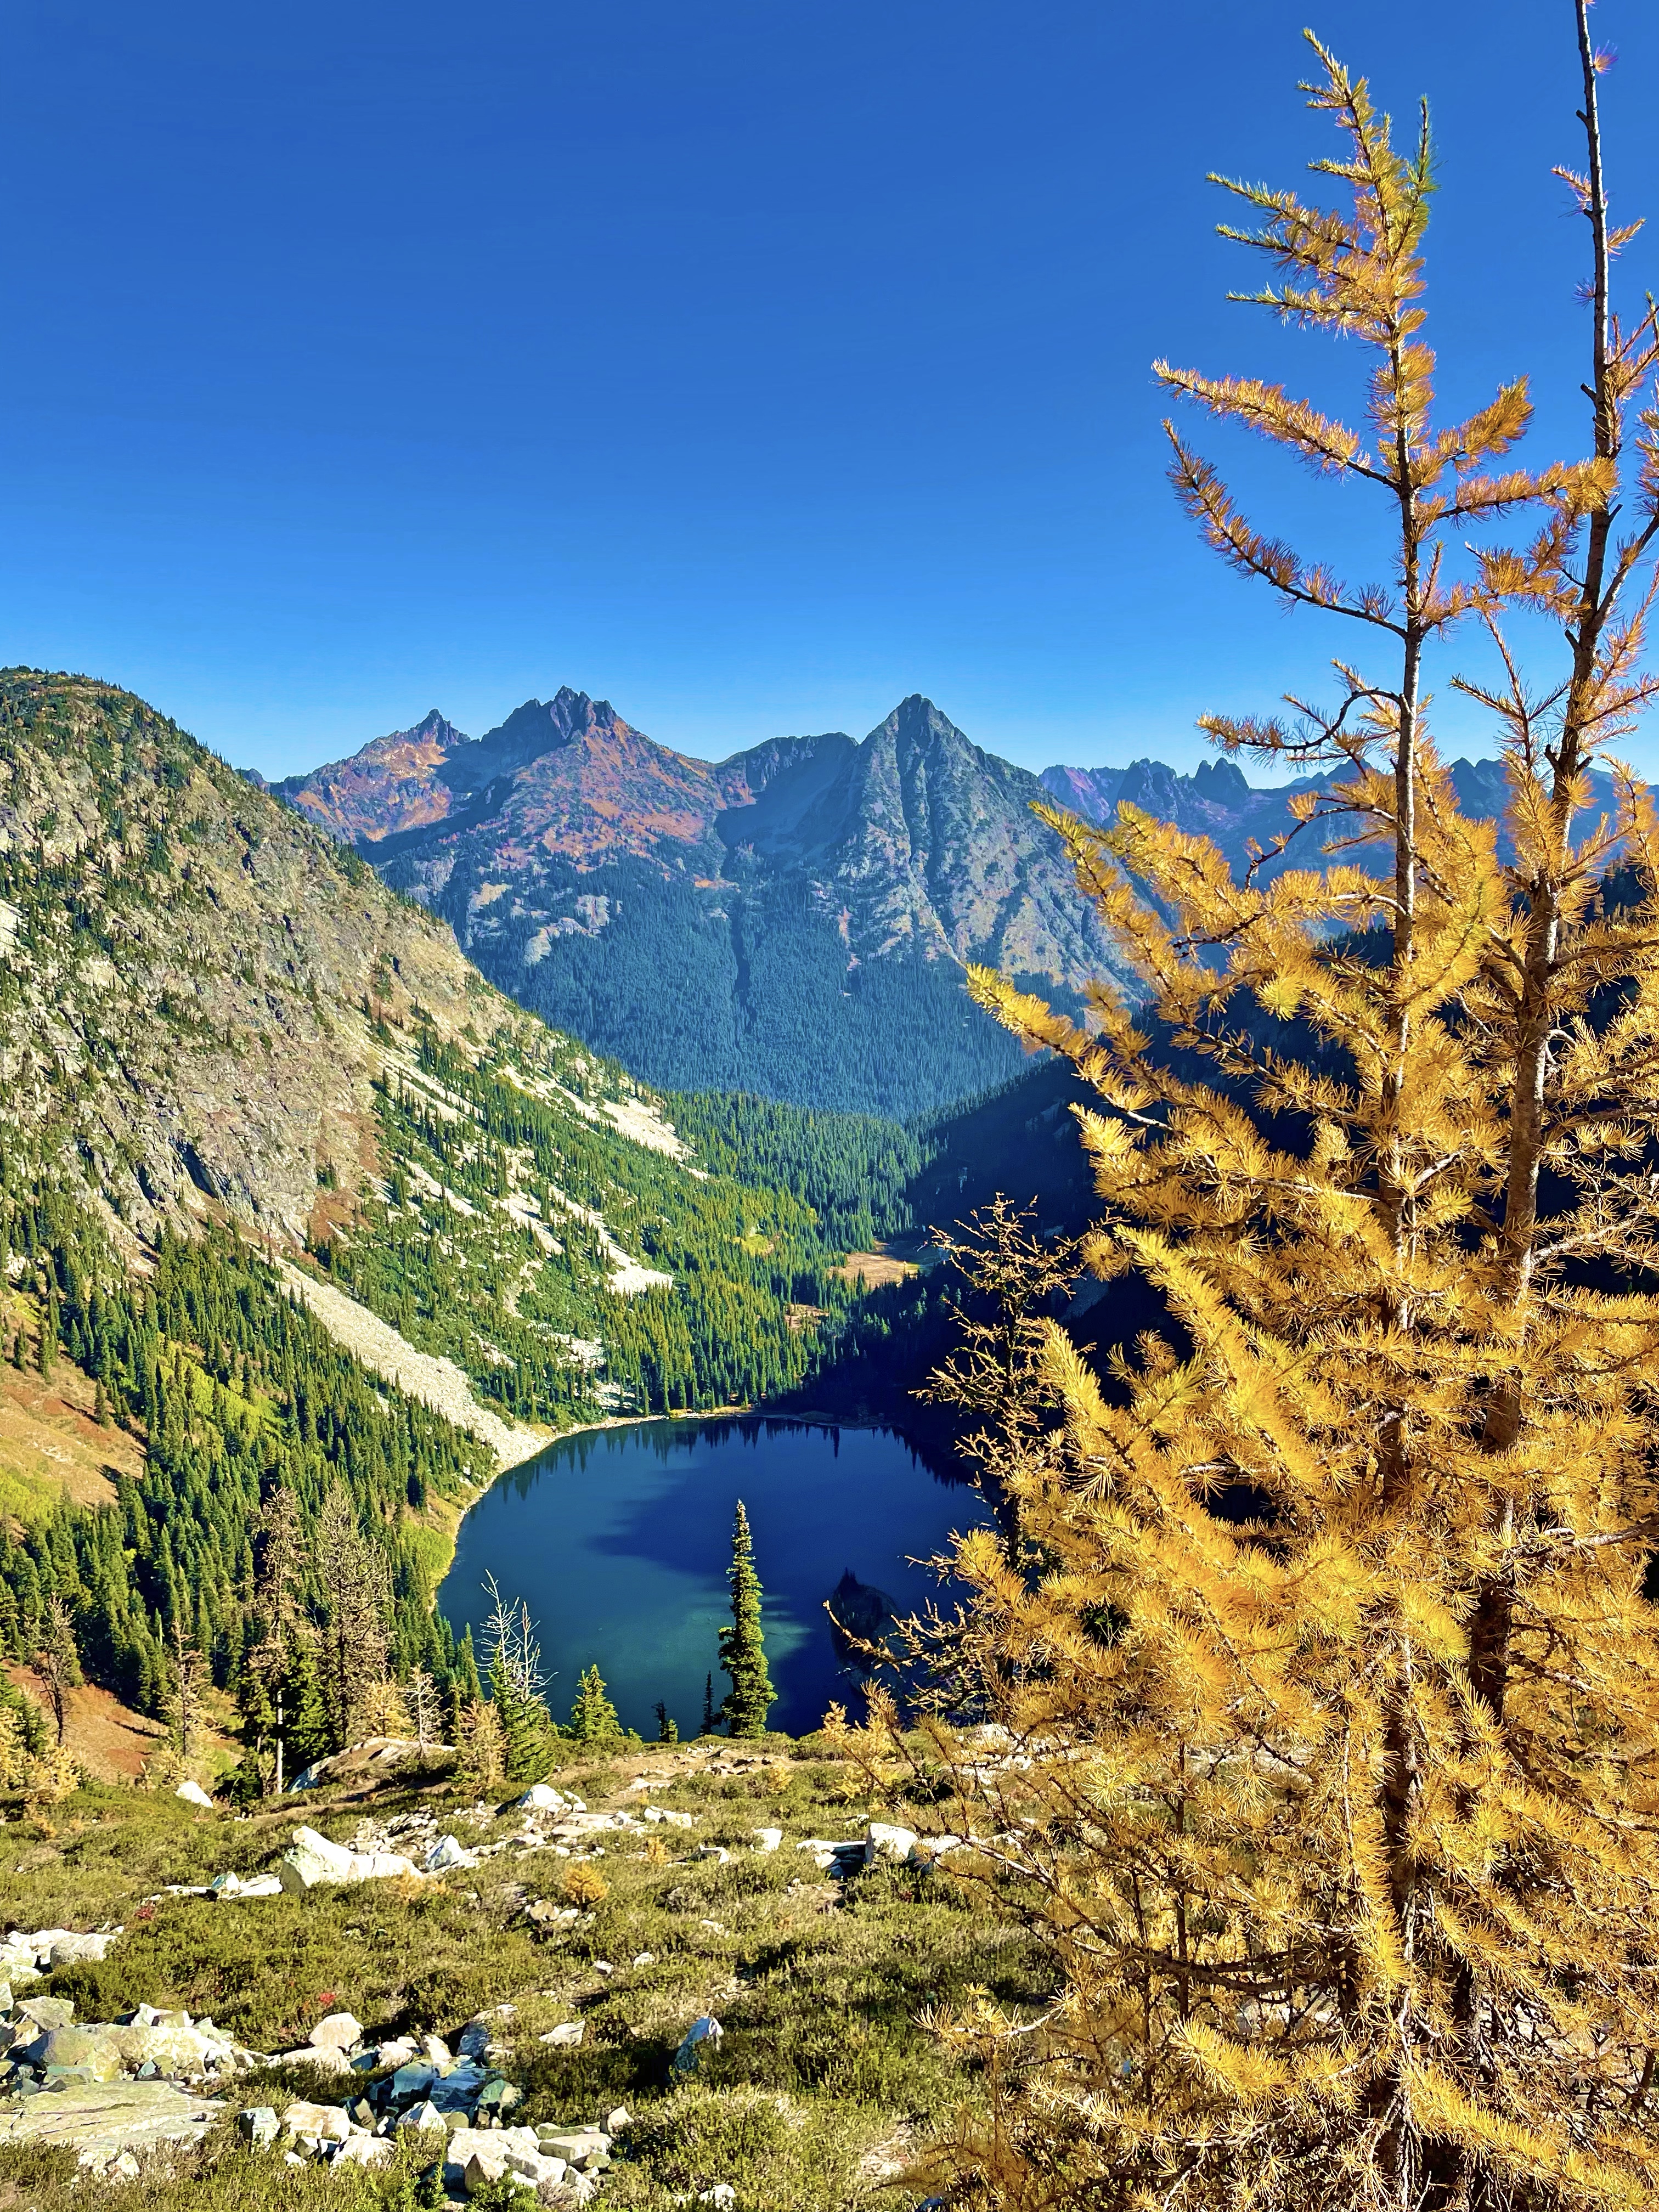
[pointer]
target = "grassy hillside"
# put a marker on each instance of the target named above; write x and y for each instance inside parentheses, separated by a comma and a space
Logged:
(825, 2087)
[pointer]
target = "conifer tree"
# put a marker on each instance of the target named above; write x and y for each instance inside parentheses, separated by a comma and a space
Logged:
(593, 1717)
(57, 1660)
(709, 1720)
(356, 1599)
(743, 1645)
(483, 1753)
(1321, 1630)
(517, 1686)
(423, 1708)
(307, 1731)
(186, 1699)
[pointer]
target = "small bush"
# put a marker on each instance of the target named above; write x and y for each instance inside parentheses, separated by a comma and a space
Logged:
(585, 1885)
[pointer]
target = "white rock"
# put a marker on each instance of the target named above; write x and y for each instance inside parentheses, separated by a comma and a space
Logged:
(193, 1793)
(578, 2147)
(566, 2037)
(364, 2150)
(882, 1841)
(313, 1860)
(68, 1950)
(712, 1851)
(336, 2031)
(336, 1856)
(421, 2119)
(326, 2059)
(645, 1958)
(927, 1849)
(225, 1886)
(326, 2122)
(721, 2194)
(483, 2167)
(664, 1814)
(446, 1853)
(768, 1839)
(616, 2121)
(539, 2170)
(437, 2052)
(540, 1797)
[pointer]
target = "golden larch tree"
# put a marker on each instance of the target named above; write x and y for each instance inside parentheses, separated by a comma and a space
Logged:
(1326, 1684)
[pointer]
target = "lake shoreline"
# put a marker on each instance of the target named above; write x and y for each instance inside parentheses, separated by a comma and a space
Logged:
(451, 1532)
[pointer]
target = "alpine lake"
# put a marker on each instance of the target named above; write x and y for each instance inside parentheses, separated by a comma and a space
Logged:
(618, 1540)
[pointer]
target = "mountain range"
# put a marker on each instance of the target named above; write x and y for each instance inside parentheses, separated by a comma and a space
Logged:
(792, 921)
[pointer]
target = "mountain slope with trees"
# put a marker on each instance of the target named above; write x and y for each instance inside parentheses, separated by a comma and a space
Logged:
(792, 922)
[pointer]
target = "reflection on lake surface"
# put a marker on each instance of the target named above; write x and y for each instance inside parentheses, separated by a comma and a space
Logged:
(618, 1540)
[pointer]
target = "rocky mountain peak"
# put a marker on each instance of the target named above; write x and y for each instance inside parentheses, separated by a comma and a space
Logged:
(916, 724)
(543, 725)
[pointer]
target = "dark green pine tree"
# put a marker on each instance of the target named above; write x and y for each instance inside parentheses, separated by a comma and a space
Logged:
(742, 1646)
(305, 1736)
(524, 1725)
(708, 1727)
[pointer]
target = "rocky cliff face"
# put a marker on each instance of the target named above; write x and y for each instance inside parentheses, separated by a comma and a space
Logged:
(394, 783)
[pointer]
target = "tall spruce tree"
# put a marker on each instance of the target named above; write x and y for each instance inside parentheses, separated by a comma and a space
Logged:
(304, 1727)
(1320, 1628)
(743, 1645)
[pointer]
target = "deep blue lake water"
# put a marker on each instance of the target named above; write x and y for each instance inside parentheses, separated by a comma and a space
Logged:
(618, 1540)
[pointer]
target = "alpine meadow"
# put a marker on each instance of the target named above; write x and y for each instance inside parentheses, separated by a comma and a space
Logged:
(1261, 1287)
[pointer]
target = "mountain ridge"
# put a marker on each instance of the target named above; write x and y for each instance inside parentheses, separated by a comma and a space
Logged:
(793, 920)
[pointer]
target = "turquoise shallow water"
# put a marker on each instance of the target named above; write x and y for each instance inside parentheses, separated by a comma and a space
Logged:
(618, 1541)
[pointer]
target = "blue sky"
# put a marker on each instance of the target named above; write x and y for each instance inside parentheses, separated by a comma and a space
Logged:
(751, 365)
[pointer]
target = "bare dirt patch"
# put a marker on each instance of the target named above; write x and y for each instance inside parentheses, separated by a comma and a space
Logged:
(103, 1736)
(51, 1446)
(873, 1269)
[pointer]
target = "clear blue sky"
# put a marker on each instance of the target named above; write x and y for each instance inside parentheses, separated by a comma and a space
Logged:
(751, 364)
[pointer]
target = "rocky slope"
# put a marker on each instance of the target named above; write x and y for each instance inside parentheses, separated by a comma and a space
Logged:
(190, 979)
(688, 1974)
(794, 919)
